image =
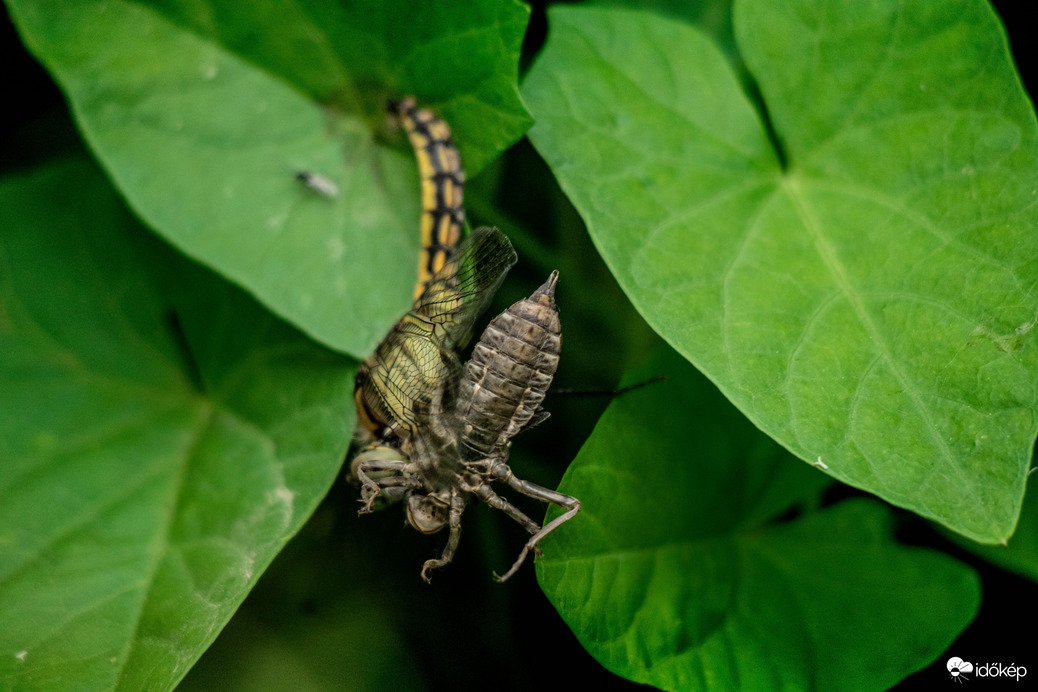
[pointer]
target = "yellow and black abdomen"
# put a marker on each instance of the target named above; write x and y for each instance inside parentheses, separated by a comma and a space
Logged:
(443, 182)
(395, 380)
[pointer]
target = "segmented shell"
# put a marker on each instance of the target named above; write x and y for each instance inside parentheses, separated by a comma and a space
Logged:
(509, 373)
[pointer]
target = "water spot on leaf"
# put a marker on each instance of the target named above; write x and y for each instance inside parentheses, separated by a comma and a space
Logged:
(278, 220)
(336, 248)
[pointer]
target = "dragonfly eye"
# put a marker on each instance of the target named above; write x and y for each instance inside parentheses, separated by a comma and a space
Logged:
(372, 455)
(426, 513)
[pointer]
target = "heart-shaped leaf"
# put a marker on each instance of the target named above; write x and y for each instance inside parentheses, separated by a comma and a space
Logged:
(162, 437)
(864, 293)
(678, 574)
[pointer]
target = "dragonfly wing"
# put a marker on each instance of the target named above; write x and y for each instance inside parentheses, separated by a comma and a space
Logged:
(461, 290)
(405, 375)
(418, 359)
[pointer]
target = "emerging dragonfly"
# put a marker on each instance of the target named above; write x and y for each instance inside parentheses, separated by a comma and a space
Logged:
(460, 445)
(399, 378)
(436, 434)
(396, 385)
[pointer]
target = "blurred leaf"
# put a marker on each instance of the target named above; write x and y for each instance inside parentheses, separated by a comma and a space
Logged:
(676, 573)
(872, 303)
(350, 646)
(203, 124)
(163, 436)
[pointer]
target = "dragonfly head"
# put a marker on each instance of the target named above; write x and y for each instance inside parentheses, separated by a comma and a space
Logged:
(374, 453)
(427, 513)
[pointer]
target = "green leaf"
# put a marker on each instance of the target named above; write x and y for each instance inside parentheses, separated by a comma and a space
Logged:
(162, 437)
(1021, 554)
(866, 296)
(712, 17)
(678, 574)
(203, 124)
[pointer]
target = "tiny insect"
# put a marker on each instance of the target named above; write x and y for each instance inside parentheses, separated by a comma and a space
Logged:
(460, 444)
(318, 183)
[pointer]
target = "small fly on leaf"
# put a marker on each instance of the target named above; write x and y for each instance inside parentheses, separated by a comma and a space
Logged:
(318, 183)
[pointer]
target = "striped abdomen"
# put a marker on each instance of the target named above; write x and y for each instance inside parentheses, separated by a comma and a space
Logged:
(443, 181)
(509, 373)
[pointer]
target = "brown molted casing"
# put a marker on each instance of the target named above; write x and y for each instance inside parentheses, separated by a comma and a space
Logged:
(509, 373)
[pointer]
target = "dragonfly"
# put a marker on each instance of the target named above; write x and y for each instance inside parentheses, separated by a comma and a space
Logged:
(461, 443)
(398, 378)
(411, 374)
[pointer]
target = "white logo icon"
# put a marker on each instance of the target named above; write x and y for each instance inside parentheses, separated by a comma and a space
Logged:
(958, 669)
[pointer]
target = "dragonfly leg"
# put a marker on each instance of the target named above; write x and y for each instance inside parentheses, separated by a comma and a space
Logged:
(387, 472)
(457, 506)
(536, 538)
(485, 493)
(501, 471)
